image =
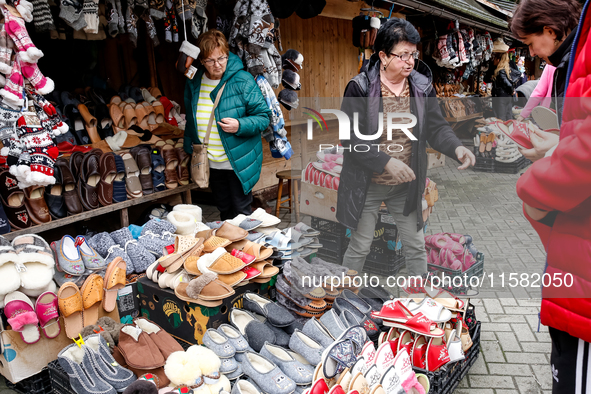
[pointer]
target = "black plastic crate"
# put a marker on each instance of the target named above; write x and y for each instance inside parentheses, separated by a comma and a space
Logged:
(512, 168)
(384, 268)
(331, 257)
(36, 384)
(333, 243)
(326, 226)
(476, 270)
(59, 379)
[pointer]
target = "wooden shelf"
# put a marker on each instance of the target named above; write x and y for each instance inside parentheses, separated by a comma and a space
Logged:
(121, 206)
(463, 118)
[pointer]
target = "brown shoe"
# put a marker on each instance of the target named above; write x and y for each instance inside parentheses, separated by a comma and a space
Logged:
(166, 343)
(108, 170)
(13, 199)
(89, 123)
(231, 232)
(117, 117)
(89, 179)
(75, 163)
(138, 348)
(142, 156)
(183, 167)
(70, 194)
(171, 159)
(36, 205)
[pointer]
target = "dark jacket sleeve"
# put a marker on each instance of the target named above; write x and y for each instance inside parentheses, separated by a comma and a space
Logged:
(440, 135)
(355, 101)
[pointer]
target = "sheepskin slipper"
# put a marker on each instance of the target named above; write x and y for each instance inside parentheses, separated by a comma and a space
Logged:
(193, 210)
(222, 385)
(141, 386)
(34, 293)
(208, 362)
(93, 329)
(11, 280)
(184, 222)
(112, 326)
(36, 255)
(182, 368)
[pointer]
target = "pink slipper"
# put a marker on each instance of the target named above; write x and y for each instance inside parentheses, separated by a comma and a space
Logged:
(449, 260)
(328, 181)
(330, 167)
(46, 309)
(433, 257)
(467, 261)
(335, 182)
(441, 241)
(326, 157)
(18, 308)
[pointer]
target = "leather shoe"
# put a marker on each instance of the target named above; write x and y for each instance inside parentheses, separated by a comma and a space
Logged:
(54, 196)
(89, 179)
(36, 205)
(142, 156)
(13, 199)
(68, 183)
(108, 169)
(75, 163)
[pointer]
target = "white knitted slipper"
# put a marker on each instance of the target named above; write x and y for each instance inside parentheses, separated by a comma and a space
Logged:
(194, 210)
(184, 222)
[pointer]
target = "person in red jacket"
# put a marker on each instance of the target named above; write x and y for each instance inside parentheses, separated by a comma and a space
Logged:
(556, 192)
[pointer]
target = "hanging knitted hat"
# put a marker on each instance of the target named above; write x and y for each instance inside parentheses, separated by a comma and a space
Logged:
(289, 99)
(310, 8)
(291, 80)
(292, 60)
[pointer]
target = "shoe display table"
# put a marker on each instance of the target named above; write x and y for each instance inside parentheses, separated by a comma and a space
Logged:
(122, 207)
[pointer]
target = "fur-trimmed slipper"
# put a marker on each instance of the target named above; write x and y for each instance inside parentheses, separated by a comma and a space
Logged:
(184, 222)
(19, 310)
(11, 280)
(37, 257)
(204, 289)
(192, 210)
(51, 287)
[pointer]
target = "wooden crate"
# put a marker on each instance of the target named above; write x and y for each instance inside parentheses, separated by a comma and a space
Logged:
(318, 201)
(435, 159)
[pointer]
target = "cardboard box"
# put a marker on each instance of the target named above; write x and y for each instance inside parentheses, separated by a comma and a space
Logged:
(188, 321)
(435, 159)
(128, 303)
(318, 201)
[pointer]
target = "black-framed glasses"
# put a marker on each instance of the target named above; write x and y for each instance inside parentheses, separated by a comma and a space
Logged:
(406, 56)
(221, 61)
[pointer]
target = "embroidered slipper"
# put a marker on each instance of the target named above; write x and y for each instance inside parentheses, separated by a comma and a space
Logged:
(395, 314)
(71, 306)
(113, 282)
(92, 297)
(205, 288)
(259, 251)
(46, 310)
(18, 308)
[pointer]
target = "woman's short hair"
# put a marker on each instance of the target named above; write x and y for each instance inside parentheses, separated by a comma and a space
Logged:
(531, 16)
(209, 41)
(393, 32)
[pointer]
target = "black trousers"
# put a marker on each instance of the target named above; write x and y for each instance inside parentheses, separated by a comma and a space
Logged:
(228, 194)
(503, 107)
(570, 361)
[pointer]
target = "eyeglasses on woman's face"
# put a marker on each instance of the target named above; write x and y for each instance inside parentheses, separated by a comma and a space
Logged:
(221, 61)
(406, 56)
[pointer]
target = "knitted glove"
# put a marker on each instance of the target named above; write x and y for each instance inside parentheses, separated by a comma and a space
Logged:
(188, 6)
(13, 90)
(71, 13)
(91, 16)
(42, 18)
(6, 46)
(15, 28)
(171, 30)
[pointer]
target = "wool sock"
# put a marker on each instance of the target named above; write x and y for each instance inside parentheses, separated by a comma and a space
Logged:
(91, 16)
(42, 151)
(42, 84)
(16, 29)
(6, 46)
(42, 18)
(13, 90)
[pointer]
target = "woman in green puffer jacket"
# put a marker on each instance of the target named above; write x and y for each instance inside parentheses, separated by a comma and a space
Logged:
(235, 148)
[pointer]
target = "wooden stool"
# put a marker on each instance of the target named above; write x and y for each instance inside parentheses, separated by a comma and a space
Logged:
(296, 176)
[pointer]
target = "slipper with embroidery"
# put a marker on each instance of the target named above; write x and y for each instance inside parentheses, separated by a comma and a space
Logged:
(395, 314)
(19, 310)
(46, 308)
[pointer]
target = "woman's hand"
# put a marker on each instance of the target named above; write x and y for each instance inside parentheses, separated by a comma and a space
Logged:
(400, 171)
(466, 157)
(542, 142)
(229, 125)
(534, 213)
(520, 118)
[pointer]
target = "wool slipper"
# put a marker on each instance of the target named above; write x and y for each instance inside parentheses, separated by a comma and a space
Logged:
(141, 258)
(245, 222)
(267, 219)
(71, 306)
(184, 222)
(91, 259)
(11, 280)
(193, 210)
(51, 287)
(19, 310)
(275, 314)
(110, 250)
(37, 257)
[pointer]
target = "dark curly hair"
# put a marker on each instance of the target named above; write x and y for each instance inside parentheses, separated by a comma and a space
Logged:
(531, 16)
(393, 32)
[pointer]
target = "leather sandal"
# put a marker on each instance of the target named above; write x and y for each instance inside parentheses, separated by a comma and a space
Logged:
(89, 180)
(132, 172)
(141, 114)
(71, 199)
(115, 100)
(155, 92)
(89, 123)
(71, 306)
(108, 170)
(36, 205)
(141, 155)
(171, 160)
(183, 167)
(130, 115)
(117, 117)
(92, 297)
(158, 111)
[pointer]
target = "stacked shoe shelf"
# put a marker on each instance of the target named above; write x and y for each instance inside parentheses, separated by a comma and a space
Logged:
(122, 207)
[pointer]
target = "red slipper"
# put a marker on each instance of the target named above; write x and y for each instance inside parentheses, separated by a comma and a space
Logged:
(395, 314)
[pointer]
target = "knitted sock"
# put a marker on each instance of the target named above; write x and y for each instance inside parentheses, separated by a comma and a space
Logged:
(13, 90)
(188, 7)
(151, 28)
(15, 27)
(91, 10)
(22, 168)
(131, 22)
(57, 125)
(12, 145)
(171, 30)
(71, 13)
(42, 151)
(112, 18)
(121, 20)
(6, 46)
(46, 123)
(42, 84)
(42, 18)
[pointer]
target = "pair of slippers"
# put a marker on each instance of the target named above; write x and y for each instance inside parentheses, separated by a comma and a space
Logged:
(25, 318)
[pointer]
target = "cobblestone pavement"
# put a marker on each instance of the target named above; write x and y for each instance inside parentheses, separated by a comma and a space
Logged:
(515, 357)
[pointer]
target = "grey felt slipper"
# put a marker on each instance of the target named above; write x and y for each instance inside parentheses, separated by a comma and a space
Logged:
(237, 373)
(105, 364)
(306, 230)
(62, 277)
(245, 387)
(255, 332)
(306, 347)
(228, 365)
(357, 336)
(106, 246)
(239, 357)
(141, 258)
(77, 363)
(155, 243)
(293, 326)
(219, 344)
(301, 374)
(361, 304)
(253, 236)
(267, 375)
(214, 225)
(250, 224)
(159, 227)
(317, 332)
(275, 314)
(234, 337)
(333, 323)
(353, 316)
(281, 337)
(334, 269)
(338, 357)
(302, 389)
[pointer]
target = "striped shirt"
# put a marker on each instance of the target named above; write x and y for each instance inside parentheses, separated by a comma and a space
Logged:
(215, 150)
